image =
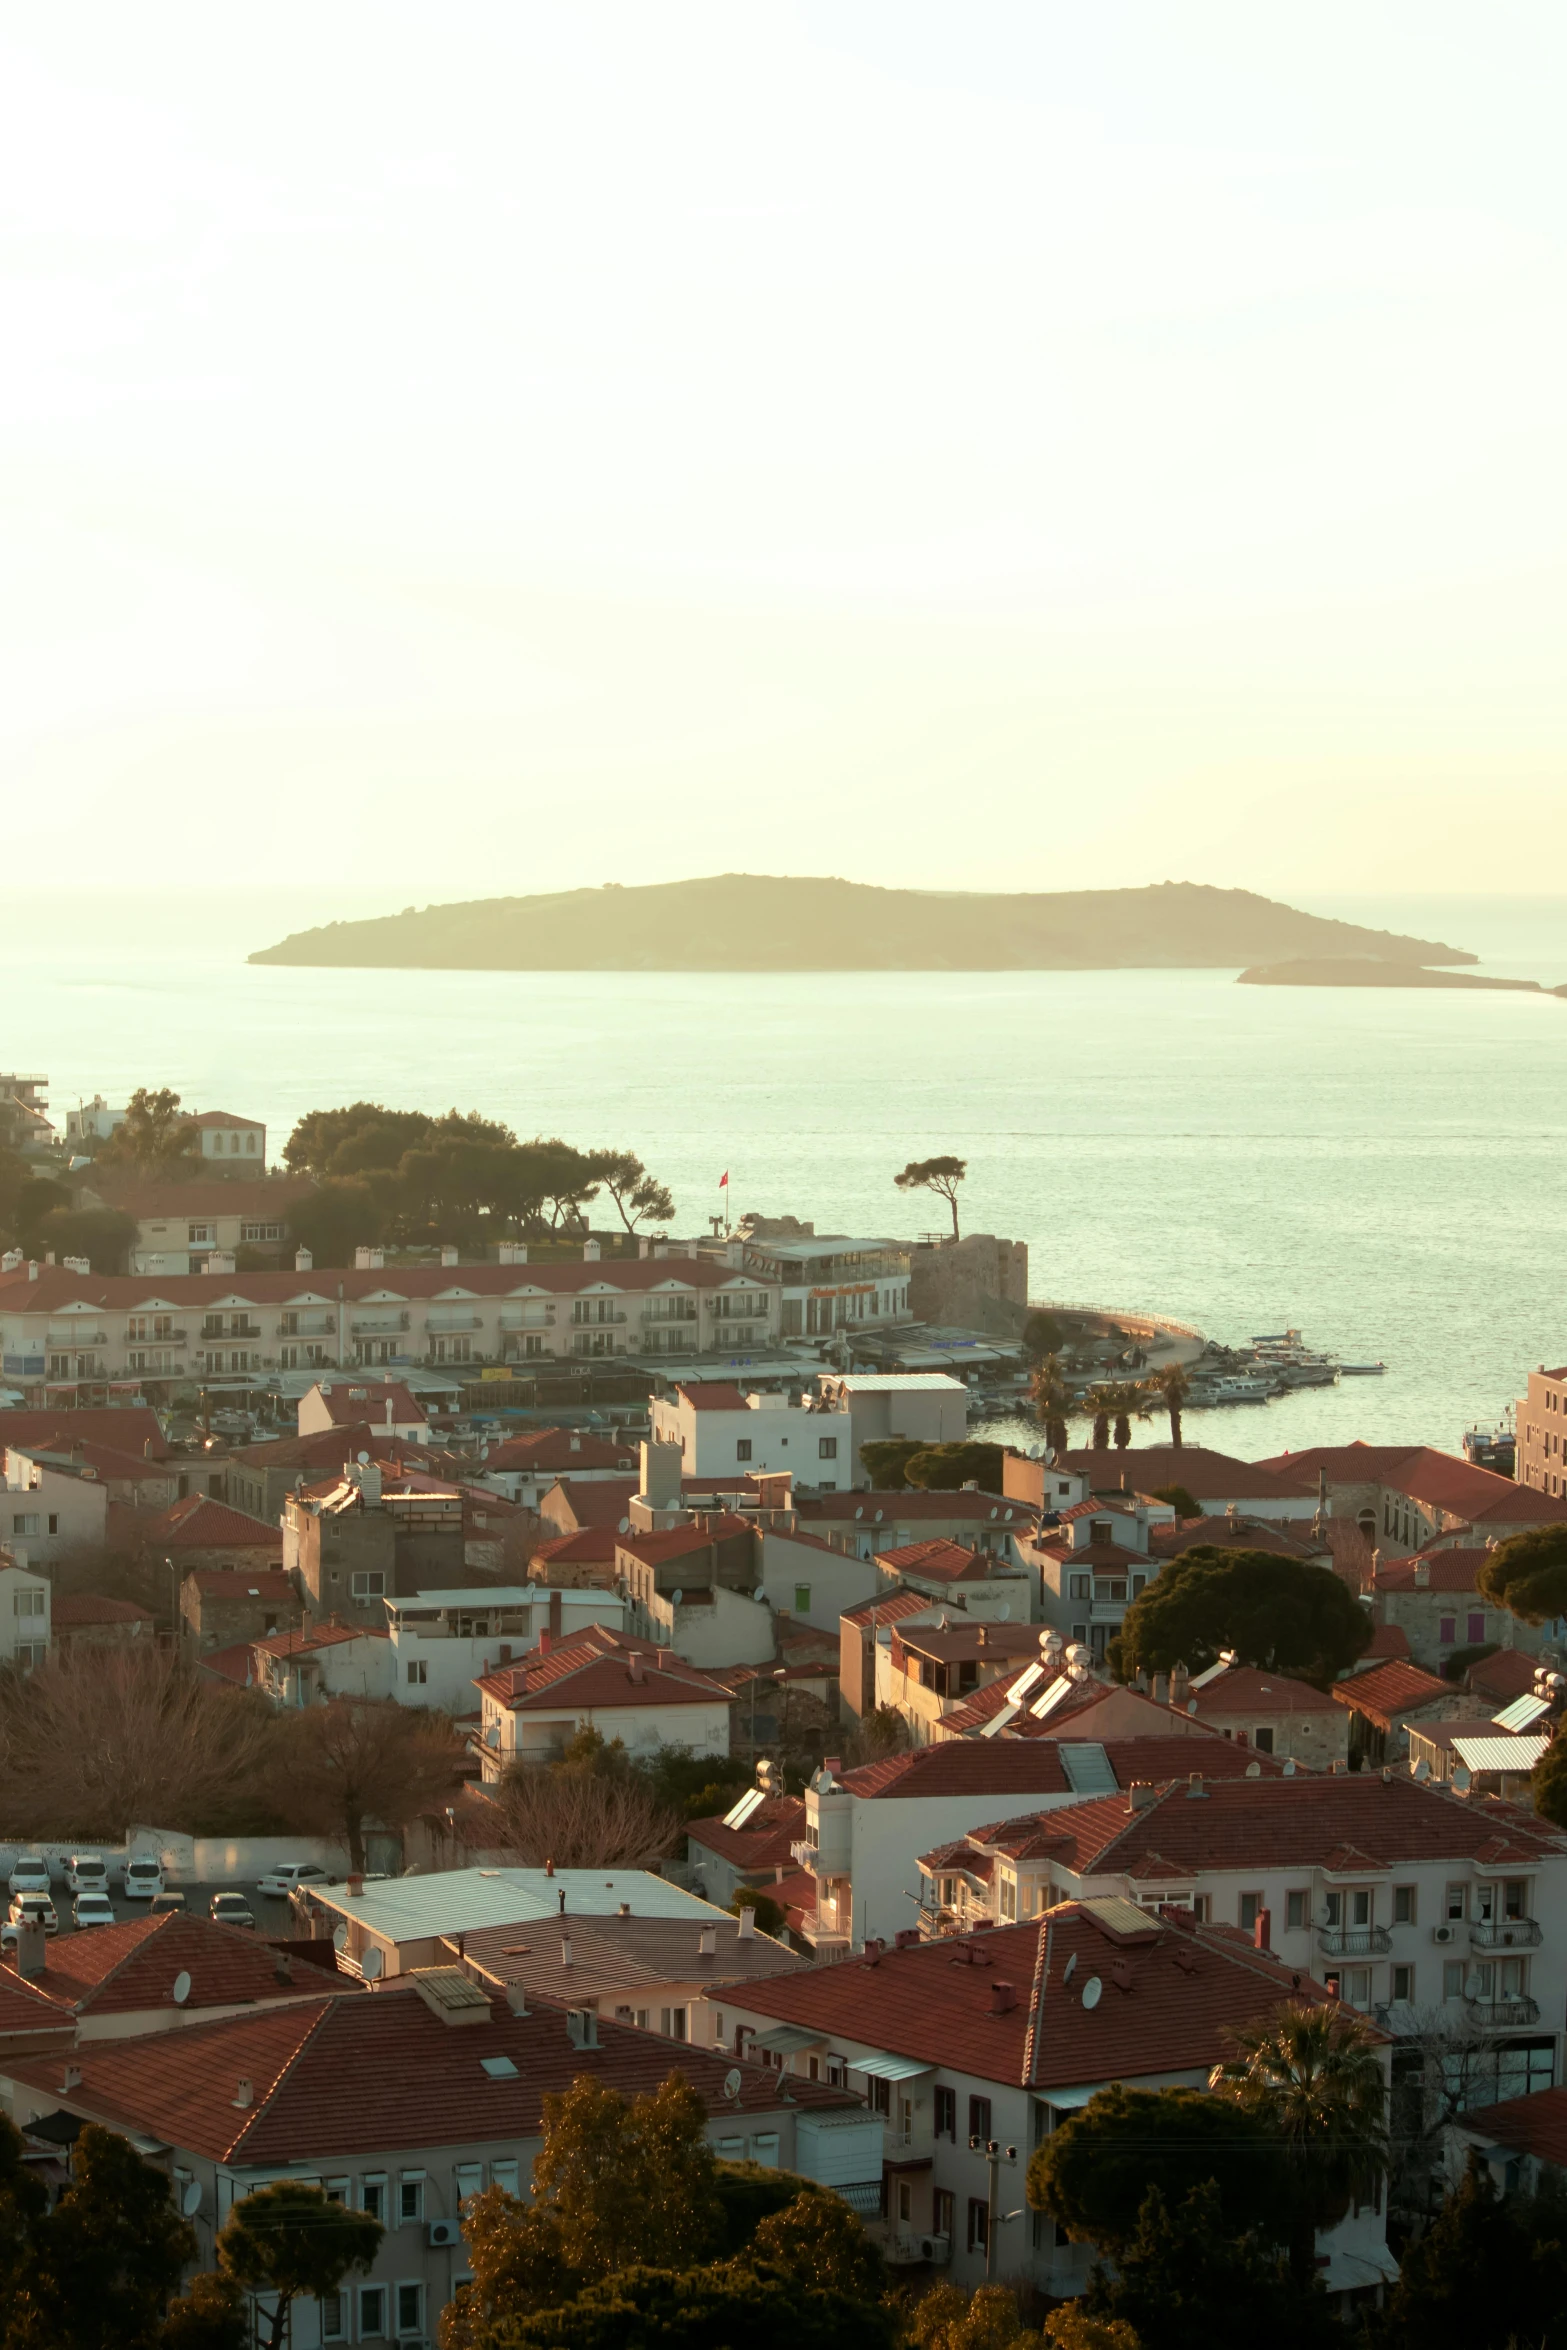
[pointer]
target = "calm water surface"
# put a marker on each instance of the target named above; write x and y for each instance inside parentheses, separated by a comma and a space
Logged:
(1384, 1170)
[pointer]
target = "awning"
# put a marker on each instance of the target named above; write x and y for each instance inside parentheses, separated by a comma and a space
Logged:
(1068, 2100)
(889, 2068)
(56, 2129)
(787, 2039)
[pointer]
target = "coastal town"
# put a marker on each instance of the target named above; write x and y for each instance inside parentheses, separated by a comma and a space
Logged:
(444, 1676)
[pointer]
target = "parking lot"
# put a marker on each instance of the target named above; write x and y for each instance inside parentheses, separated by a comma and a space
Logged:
(272, 1916)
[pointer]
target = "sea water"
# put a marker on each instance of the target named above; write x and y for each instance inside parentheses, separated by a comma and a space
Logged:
(1384, 1170)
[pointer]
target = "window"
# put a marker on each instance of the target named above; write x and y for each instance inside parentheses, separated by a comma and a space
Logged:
(1262, 1738)
(1250, 1904)
(672, 2022)
(802, 1599)
(28, 1603)
(1009, 1897)
(1403, 1905)
(764, 2149)
(881, 2097)
(332, 2317)
(946, 2113)
(410, 2309)
(1515, 1898)
(1447, 1630)
(372, 2198)
(367, 1583)
(827, 1448)
(199, 1236)
(1358, 1992)
(1333, 1909)
(54, 1523)
(1456, 1900)
(24, 1522)
(1476, 1627)
(979, 2119)
(372, 2313)
(1297, 1909)
(942, 2206)
(743, 1448)
(1453, 1979)
(1201, 1909)
(467, 2179)
(410, 2196)
(978, 2223)
(1078, 1587)
(1404, 1982)
(418, 1672)
(336, 2191)
(1360, 1906)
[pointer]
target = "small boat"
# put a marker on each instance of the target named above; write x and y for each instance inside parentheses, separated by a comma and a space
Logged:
(1361, 1370)
(1241, 1389)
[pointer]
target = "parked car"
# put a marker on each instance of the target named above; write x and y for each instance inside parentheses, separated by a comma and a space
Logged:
(30, 1874)
(162, 1903)
(143, 1878)
(295, 1876)
(32, 1908)
(231, 1909)
(87, 1872)
(92, 1909)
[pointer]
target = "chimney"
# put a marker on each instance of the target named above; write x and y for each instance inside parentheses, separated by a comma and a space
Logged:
(512, 1252)
(304, 1262)
(565, 1950)
(661, 1466)
(549, 1868)
(32, 1268)
(1194, 1785)
(624, 1910)
(576, 1444)
(634, 1664)
(517, 1998)
(1422, 1574)
(663, 1658)
(369, 1260)
(356, 1886)
(544, 1644)
(245, 2095)
(1140, 1794)
(557, 1608)
(1262, 1931)
(582, 2027)
(31, 1948)
(1179, 1680)
(747, 1924)
(707, 1942)
(451, 1254)
(1003, 1998)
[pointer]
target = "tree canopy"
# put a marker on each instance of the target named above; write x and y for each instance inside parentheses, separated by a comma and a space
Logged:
(1312, 2075)
(99, 2269)
(1285, 1614)
(1094, 2172)
(898, 1461)
(1182, 2282)
(1489, 2272)
(940, 1175)
(290, 2241)
(1527, 1574)
(357, 1760)
(156, 1140)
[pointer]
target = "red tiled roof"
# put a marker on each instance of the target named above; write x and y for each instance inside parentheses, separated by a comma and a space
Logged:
(593, 1669)
(890, 1609)
(1442, 1480)
(941, 1561)
(1510, 1673)
(1387, 1640)
(973, 1767)
(1245, 1690)
(560, 1450)
(765, 1839)
(591, 1546)
(74, 1611)
(1390, 1690)
(889, 1510)
(250, 1196)
(108, 1466)
(1207, 1476)
(306, 1641)
(675, 1542)
(340, 2076)
(130, 1967)
(1171, 1542)
(125, 1428)
(1171, 1994)
(209, 1118)
(712, 1395)
(235, 1664)
(264, 1583)
(1534, 2125)
(55, 1288)
(1444, 1570)
(1274, 1821)
(323, 1448)
(348, 1405)
(593, 1502)
(200, 1522)
(24, 2010)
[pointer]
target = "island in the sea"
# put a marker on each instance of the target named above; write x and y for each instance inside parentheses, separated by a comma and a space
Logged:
(766, 922)
(1374, 971)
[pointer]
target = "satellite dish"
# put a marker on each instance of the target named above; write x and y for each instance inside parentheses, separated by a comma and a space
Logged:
(625, 1526)
(677, 1599)
(734, 2081)
(1070, 1969)
(190, 2201)
(339, 1937)
(372, 1965)
(760, 1592)
(363, 1458)
(1004, 1612)
(181, 1988)
(1091, 1991)
(1254, 1770)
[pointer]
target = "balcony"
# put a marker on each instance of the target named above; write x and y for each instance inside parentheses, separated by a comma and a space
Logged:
(1505, 1933)
(596, 1321)
(382, 1326)
(1520, 2009)
(135, 1337)
(1353, 1941)
(439, 1325)
(213, 1333)
(806, 1855)
(67, 1342)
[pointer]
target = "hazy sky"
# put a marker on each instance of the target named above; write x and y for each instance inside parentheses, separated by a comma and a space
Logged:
(492, 447)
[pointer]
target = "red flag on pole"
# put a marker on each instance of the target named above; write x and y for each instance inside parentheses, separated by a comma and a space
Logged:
(723, 1180)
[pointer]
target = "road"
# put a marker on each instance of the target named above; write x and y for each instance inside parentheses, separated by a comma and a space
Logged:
(273, 1916)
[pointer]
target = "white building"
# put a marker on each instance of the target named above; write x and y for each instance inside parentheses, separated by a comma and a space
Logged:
(444, 1641)
(720, 1430)
(231, 1139)
(646, 1697)
(406, 1921)
(25, 1629)
(56, 1510)
(829, 1286)
(929, 1407)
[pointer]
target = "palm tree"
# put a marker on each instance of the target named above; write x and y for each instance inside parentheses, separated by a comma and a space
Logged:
(1129, 1401)
(1174, 1387)
(1314, 2074)
(1052, 1402)
(1102, 1402)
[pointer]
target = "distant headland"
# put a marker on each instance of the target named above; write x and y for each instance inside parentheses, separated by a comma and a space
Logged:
(1372, 971)
(765, 922)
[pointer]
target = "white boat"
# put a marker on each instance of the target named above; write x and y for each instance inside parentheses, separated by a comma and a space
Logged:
(1361, 1370)
(1241, 1388)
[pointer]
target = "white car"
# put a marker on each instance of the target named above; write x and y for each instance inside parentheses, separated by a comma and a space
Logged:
(231, 1909)
(295, 1876)
(31, 1874)
(92, 1909)
(31, 1909)
(87, 1872)
(143, 1878)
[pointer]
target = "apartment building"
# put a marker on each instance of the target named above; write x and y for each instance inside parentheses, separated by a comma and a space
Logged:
(646, 1697)
(448, 2098)
(69, 1336)
(983, 2046)
(1093, 1562)
(1443, 1916)
(25, 1601)
(228, 1140)
(831, 1285)
(1434, 1599)
(200, 1226)
(1540, 1419)
(1402, 1498)
(924, 1407)
(59, 1508)
(721, 1429)
(926, 1671)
